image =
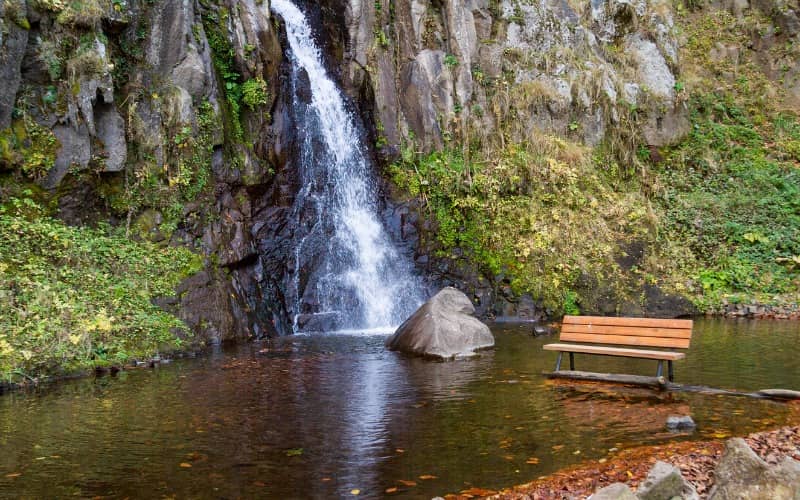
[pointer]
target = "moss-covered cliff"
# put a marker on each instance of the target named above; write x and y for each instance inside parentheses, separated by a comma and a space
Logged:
(617, 156)
(609, 157)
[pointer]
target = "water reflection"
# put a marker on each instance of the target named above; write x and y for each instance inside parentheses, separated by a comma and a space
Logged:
(321, 415)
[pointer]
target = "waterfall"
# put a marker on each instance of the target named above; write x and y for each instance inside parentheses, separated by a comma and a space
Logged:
(346, 274)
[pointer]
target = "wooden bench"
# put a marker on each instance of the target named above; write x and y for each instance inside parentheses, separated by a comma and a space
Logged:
(639, 332)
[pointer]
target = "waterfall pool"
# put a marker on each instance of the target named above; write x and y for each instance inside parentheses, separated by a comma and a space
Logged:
(324, 415)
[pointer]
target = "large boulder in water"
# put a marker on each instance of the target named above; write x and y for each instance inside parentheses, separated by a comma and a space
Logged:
(444, 327)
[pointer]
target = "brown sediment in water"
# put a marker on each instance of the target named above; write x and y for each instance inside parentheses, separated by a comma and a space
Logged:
(695, 459)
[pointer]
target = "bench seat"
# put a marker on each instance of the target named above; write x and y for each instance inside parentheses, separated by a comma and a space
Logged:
(623, 336)
(615, 351)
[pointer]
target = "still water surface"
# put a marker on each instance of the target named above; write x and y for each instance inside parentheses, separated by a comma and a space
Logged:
(319, 416)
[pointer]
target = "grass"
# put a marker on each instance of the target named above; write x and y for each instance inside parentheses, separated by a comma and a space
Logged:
(74, 298)
(538, 214)
(731, 197)
(729, 194)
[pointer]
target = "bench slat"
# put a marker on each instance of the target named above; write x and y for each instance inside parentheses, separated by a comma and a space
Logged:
(615, 351)
(678, 333)
(625, 340)
(619, 321)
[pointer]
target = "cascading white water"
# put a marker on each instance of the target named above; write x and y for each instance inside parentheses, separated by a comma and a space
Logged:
(347, 274)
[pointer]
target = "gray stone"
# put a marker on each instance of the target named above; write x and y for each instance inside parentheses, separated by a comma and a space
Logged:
(616, 18)
(111, 131)
(75, 151)
(616, 491)
(741, 475)
(653, 69)
(665, 481)
(191, 73)
(442, 328)
(426, 85)
(13, 40)
(680, 423)
(94, 88)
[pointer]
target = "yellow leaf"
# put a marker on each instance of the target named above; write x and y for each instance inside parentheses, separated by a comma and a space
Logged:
(186, 465)
(75, 339)
(355, 491)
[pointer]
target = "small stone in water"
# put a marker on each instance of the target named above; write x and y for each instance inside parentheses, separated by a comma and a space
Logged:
(684, 422)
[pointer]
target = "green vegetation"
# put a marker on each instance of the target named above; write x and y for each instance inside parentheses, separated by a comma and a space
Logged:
(731, 197)
(718, 213)
(79, 13)
(450, 61)
(729, 193)
(29, 147)
(540, 214)
(77, 298)
(183, 179)
(252, 93)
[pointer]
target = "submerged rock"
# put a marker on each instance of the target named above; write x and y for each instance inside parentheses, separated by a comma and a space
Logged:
(681, 423)
(442, 328)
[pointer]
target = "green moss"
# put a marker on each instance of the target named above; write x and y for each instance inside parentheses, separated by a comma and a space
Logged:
(255, 93)
(731, 201)
(74, 298)
(28, 147)
(537, 214)
(223, 57)
(83, 13)
(184, 178)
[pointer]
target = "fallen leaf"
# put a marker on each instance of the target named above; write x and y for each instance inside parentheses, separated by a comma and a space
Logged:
(393, 489)
(186, 465)
(326, 479)
(355, 491)
(532, 461)
(295, 452)
(14, 474)
(400, 450)
(427, 476)
(406, 483)
(478, 492)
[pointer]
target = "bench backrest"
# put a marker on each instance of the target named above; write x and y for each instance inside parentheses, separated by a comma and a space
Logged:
(675, 333)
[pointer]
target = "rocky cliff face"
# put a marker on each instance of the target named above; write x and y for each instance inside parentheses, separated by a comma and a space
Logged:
(440, 70)
(168, 118)
(154, 115)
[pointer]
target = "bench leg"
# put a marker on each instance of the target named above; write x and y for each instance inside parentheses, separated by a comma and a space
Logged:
(660, 370)
(558, 361)
(670, 371)
(571, 361)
